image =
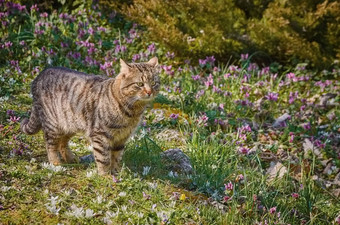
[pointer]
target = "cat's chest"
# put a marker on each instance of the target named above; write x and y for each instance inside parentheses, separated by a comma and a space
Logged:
(123, 132)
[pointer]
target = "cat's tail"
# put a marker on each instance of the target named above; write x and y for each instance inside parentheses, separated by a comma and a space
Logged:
(32, 125)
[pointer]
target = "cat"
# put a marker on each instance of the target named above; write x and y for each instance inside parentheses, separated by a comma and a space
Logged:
(106, 110)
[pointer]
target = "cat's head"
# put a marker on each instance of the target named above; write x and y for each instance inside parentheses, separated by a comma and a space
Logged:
(140, 81)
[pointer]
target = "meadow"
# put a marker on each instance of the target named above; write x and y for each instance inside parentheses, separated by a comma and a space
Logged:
(263, 141)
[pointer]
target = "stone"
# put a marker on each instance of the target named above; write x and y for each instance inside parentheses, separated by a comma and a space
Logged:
(281, 120)
(177, 161)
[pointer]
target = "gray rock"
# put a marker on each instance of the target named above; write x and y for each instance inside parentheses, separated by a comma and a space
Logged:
(87, 159)
(281, 120)
(176, 160)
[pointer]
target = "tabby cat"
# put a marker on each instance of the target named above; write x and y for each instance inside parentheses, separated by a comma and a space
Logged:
(106, 110)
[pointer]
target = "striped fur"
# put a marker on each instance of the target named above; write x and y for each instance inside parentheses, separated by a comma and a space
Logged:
(106, 110)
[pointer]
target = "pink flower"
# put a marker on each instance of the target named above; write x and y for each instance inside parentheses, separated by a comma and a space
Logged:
(272, 210)
(229, 186)
(226, 198)
(295, 195)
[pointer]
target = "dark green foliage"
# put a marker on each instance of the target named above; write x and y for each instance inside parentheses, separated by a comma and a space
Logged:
(285, 31)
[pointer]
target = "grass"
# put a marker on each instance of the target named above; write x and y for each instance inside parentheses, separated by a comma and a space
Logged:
(221, 116)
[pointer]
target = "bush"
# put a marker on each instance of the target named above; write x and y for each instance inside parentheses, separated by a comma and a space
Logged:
(288, 31)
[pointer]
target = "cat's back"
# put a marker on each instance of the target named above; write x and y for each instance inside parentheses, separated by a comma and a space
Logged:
(60, 78)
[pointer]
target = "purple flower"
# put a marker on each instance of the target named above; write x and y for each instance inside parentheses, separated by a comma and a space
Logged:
(14, 119)
(152, 48)
(244, 56)
(293, 96)
(196, 77)
(136, 57)
(210, 60)
(202, 62)
(174, 116)
(272, 96)
(244, 150)
(307, 126)
(170, 55)
(200, 93)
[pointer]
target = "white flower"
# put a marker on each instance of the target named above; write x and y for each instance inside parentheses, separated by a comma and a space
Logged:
(51, 206)
(173, 174)
(146, 170)
(33, 160)
(152, 185)
(89, 213)
(6, 188)
(76, 212)
(90, 173)
(52, 167)
(99, 199)
(122, 194)
(140, 215)
(124, 208)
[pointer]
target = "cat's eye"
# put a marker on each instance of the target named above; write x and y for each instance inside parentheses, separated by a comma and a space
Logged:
(153, 83)
(140, 84)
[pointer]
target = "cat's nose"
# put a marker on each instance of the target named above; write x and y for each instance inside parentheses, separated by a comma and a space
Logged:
(149, 92)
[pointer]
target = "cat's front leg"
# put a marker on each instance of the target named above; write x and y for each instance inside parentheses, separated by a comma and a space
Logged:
(116, 157)
(100, 143)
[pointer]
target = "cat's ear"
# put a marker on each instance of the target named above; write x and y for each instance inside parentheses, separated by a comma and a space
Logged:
(153, 62)
(124, 67)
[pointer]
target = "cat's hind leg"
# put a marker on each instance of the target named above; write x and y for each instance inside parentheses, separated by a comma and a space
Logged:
(52, 148)
(65, 152)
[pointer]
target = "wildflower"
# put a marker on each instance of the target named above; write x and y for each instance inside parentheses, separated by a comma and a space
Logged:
(209, 82)
(202, 62)
(14, 119)
(170, 55)
(183, 197)
(152, 48)
(307, 126)
(295, 195)
(89, 213)
(51, 206)
(272, 96)
(244, 150)
(44, 14)
(293, 96)
(291, 135)
(174, 116)
(226, 198)
(229, 186)
(239, 177)
(122, 194)
(136, 57)
(202, 120)
(272, 210)
(76, 212)
(146, 196)
(196, 77)
(146, 170)
(175, 195)
(34, 7)
(244, 56)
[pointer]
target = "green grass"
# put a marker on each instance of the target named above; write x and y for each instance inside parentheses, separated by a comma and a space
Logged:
(225, 126)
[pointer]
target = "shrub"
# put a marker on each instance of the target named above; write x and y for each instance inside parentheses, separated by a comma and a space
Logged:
(287, 31)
